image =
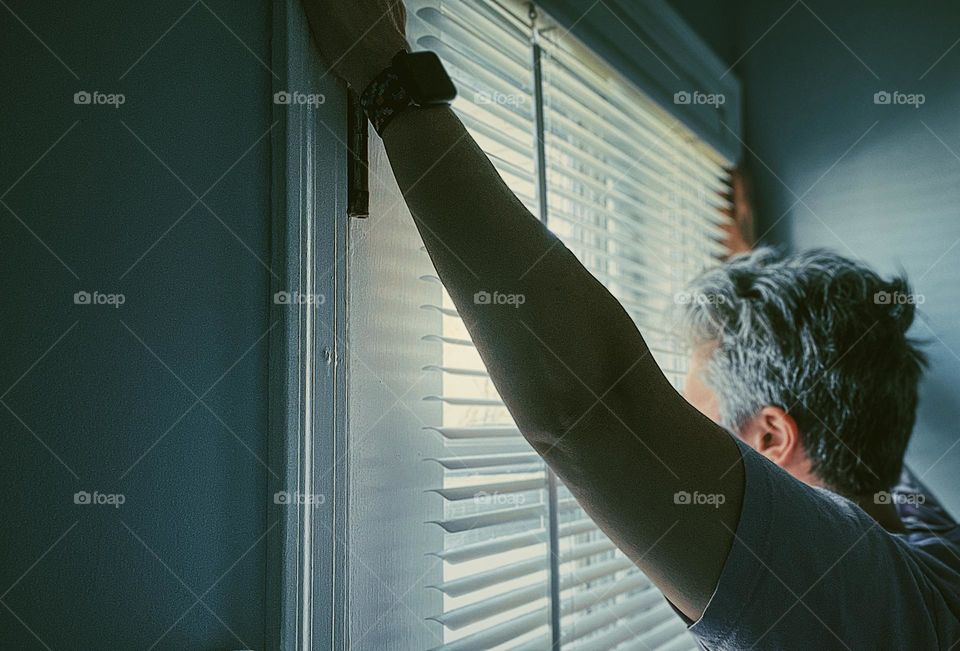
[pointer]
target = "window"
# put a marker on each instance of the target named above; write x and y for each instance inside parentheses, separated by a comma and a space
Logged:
(459, 536)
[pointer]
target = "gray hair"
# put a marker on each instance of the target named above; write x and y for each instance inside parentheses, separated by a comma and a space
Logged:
(824, 338)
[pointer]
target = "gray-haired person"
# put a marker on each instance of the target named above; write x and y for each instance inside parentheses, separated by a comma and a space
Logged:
(803, 386)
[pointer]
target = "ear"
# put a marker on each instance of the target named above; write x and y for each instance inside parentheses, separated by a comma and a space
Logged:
(774, 434)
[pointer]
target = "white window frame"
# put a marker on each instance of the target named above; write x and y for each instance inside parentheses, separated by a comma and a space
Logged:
(307, 553)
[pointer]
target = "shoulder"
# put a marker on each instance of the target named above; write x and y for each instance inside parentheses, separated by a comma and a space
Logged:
(809, 567)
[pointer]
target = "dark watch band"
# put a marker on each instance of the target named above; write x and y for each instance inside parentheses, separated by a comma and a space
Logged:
(384, 99)
(413, 79)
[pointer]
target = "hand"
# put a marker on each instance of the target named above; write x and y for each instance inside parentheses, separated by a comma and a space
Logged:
(740, 229)
(357, 38)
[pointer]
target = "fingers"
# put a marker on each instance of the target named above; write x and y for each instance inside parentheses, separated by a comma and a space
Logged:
(400, 17)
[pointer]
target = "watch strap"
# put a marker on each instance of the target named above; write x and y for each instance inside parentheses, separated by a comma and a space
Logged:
(385, 98)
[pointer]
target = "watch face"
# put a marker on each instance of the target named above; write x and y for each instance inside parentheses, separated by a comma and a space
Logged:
(425, 79)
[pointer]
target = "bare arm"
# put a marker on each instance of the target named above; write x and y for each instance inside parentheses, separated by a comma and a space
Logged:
(570, 364)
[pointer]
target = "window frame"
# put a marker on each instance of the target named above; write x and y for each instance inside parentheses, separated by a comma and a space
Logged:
(307, 576)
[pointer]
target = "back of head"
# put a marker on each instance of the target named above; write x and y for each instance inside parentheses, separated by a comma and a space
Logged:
(824, 338)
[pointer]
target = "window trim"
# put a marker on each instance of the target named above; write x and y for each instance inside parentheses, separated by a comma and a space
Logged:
(307, 571)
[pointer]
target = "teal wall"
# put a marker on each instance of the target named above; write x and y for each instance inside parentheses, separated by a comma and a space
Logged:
(101, 398)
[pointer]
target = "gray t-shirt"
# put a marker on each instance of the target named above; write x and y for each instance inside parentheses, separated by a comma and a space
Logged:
(810, 570)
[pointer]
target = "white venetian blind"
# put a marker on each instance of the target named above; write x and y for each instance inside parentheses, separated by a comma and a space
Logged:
(637, 199)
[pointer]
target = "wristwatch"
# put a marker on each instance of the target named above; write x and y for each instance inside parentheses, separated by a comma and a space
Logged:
(413, 79)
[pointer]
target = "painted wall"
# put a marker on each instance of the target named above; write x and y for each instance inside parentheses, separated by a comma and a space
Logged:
(164, 200)
(714, 22)
(874, 181)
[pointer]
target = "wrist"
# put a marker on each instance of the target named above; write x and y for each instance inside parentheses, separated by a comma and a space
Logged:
(411, 80)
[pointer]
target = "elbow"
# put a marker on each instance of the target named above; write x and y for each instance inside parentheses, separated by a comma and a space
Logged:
(556, 421)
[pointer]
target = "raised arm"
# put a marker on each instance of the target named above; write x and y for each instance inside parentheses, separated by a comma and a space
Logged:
(569, 362)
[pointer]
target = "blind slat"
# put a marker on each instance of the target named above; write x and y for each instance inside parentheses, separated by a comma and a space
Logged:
(501, 544)
(474, 491)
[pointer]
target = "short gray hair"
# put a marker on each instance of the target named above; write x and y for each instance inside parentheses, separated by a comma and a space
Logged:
(824, 338)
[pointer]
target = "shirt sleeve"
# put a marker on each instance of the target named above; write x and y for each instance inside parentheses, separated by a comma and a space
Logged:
(810, 570)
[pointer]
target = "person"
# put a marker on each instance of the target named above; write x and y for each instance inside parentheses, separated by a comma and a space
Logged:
(763, 510)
